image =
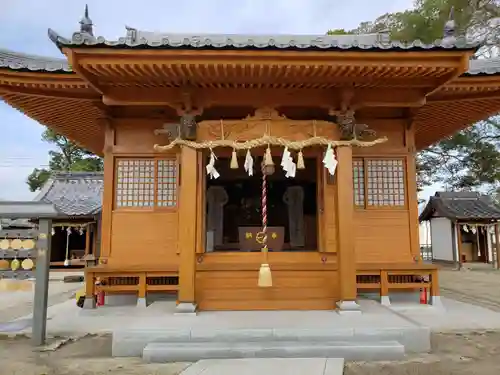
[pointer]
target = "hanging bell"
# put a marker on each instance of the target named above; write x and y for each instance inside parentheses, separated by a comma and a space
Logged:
(268, 162)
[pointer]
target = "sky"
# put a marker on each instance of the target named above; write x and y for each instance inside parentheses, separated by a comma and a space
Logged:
(24, 24)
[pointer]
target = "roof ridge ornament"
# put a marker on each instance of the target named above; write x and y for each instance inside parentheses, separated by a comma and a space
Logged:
(86, 25)
(449, 29)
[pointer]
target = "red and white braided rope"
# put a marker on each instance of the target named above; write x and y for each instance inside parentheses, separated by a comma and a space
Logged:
(264, 206)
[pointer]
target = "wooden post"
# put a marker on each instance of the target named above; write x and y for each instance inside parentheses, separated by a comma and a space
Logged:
(87, 239)
(459, 244)
(90, 291)
(345, 216)
(411, 188)
(41, 281)
(187, 230)
(435, 296)
(497, 244)
(108, 193)
(141, 295)
(384, 288)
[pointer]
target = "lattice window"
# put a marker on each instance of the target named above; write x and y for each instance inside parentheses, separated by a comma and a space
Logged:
(145, 183)
(358, 180)
(167, 183)
(385, 182)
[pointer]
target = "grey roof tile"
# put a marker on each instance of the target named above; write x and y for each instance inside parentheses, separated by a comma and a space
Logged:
(145, 39)
(484, 66)
(74, 193)
(461, 205)
(20, 61)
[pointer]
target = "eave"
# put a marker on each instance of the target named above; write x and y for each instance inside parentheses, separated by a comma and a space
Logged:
(63, 102)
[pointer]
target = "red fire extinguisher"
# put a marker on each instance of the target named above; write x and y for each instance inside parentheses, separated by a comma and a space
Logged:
(423, 292)
(99, 295)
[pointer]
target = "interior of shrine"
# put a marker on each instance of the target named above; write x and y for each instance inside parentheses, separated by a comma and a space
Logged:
(233, 209)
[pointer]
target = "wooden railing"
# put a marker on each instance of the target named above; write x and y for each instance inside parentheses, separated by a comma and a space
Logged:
(130, 279)
(384, 277)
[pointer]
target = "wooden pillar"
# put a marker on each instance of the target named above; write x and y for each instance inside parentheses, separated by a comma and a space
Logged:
(186, 239)
(497, 244)
(411, 194)
(141, 295)
(435, 295)
(459, 243)
(88, 229)
(384, 288)
(41, 281)
(345, 216)
(108, 193)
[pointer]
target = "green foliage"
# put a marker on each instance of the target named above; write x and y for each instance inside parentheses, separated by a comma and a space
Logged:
(68, 157)
(471, 158)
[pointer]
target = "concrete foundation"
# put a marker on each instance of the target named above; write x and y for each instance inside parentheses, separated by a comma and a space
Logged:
(378, 333)
(185, 308)
(120, 299)
(348, 307)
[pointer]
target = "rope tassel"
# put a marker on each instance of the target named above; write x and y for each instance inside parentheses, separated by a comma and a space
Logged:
(234, 160)
(300, 161)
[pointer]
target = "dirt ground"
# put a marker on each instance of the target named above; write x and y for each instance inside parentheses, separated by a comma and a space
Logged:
(87, 356)
(471, 353)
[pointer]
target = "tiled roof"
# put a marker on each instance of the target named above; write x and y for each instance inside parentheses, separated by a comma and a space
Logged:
(461, 205)
(145, 39)
(484, 66)
(21, 61)
(74, 193)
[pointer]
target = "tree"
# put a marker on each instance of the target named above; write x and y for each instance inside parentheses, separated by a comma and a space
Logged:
(67, 157)
(469, 159)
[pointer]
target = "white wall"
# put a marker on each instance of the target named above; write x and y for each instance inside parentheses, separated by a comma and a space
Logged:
(441, 238)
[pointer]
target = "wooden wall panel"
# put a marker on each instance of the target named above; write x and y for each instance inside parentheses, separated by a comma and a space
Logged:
(137, 135)
(144, 238)
(393, 129)
(291, 290)
(382, 236)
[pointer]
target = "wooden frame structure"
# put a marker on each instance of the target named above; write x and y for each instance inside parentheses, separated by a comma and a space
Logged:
(125, 91)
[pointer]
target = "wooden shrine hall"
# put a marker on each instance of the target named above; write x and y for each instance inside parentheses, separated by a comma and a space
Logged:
(254, 172)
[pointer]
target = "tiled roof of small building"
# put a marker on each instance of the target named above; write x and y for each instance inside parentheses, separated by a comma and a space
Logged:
(74, 194)
(21, 61)
(461, 205)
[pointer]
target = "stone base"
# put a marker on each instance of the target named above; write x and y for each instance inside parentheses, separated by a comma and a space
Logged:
(436, 302)
(120, 299)
(385, 300)
(141, 302)
(185, 308)
(89, 303)
(348, 307)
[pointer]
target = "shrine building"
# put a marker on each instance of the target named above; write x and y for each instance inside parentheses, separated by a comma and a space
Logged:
(255, 172)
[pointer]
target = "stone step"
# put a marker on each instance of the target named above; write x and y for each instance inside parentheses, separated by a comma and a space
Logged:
(195, 351)
(131, 342)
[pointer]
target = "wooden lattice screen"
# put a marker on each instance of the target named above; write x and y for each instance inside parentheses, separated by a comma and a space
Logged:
(146, 183)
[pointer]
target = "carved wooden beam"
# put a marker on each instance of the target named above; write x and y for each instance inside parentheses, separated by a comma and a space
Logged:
(204, 98)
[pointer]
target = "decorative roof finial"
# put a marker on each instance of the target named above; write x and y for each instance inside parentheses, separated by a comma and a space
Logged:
(86, 23)
(449, 26)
